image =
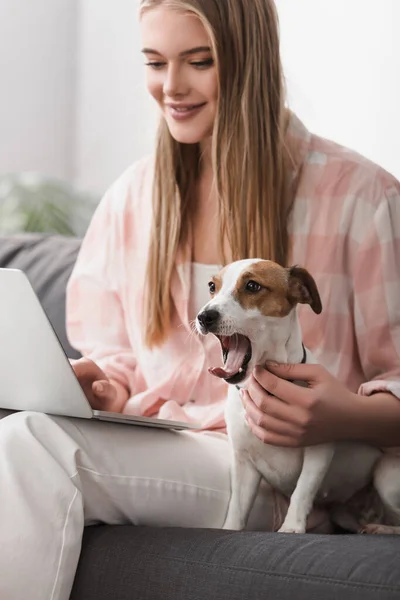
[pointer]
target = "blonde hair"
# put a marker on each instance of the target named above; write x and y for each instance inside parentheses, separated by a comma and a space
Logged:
(248, 152)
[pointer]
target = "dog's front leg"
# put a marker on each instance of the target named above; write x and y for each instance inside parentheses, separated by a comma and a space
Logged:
(316, 462)
(245, 480)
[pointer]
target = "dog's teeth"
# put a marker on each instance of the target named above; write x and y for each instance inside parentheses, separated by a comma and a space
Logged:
(240, 370)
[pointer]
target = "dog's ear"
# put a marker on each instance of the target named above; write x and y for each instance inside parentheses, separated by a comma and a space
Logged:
(303, 289)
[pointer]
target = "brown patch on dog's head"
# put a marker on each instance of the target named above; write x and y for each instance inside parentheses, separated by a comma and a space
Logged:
(217, 281)
(272, 299)
(280, 289)
(303, 289)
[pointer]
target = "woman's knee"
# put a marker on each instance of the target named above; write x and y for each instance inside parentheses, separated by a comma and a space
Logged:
(17, 429)
(35, 442)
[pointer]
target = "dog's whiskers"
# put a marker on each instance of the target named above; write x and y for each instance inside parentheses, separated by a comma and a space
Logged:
(193, 331)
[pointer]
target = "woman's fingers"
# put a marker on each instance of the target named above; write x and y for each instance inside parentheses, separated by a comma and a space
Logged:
(275, 407)
(105, 391)
(272, 438)
(272, 423)
(281, 388)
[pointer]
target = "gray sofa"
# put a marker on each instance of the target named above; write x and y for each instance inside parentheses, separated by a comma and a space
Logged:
(139, 563)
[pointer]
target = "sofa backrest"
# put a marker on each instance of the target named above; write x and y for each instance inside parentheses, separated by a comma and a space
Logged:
(47, 260)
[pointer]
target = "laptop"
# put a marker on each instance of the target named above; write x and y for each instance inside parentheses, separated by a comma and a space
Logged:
(35, 373)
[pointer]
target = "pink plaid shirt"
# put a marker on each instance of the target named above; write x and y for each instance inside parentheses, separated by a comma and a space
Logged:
(345, 229)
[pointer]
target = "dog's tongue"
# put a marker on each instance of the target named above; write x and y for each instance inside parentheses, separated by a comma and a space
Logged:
(237, 345)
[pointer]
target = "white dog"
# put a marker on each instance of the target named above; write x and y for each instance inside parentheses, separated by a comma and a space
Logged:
(252, 311)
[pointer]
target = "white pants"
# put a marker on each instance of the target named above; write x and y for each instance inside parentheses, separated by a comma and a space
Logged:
(58, 474)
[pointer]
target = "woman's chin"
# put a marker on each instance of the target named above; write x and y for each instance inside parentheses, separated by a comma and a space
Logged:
(185, 139)
(186, 134)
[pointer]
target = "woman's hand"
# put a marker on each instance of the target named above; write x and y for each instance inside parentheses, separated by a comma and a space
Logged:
(101, 393)
(282, 413)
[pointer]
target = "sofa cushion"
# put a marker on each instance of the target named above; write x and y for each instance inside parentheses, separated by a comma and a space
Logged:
(126, 563)
(47, 260)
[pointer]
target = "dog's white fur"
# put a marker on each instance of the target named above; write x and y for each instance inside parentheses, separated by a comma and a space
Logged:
(329, 473)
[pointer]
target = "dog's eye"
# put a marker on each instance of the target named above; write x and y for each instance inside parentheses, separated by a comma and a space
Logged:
(211, 287)
(253, 287)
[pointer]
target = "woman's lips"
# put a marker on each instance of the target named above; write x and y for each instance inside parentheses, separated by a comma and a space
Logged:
(185, 112)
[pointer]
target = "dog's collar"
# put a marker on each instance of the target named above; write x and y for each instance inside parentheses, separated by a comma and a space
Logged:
(303, 360)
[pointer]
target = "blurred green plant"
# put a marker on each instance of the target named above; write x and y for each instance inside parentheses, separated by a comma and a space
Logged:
(31, 202)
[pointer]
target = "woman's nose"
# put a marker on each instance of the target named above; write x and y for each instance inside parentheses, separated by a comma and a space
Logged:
(174, 84)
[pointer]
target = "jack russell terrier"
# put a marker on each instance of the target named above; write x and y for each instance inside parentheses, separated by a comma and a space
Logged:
(252, 311)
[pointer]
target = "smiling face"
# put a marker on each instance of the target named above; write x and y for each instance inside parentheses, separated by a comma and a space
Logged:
(250, 312)
(180, 72)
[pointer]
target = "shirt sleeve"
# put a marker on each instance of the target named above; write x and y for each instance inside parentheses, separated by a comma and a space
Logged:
(94, 314)
(377, 297)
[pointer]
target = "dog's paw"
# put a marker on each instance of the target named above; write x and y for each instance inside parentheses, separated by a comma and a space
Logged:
(233, 525)
(377, 529)
(289, 528)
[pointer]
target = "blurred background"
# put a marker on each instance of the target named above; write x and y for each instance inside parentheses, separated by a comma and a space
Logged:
(74, 112)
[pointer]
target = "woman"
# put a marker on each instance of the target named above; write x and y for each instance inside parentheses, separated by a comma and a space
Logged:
(235, 175)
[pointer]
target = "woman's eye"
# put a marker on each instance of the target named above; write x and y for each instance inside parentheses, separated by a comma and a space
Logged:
(203, 64)
(155, 65)
(211, 287)
(253, 286)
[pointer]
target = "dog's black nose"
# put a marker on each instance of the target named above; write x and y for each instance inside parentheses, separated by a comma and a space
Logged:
(208, 318)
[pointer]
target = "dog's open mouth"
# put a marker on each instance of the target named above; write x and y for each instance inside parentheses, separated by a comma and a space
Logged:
(236, 351)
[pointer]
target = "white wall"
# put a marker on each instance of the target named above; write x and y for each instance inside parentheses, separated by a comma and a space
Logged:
(342, 64)
(37, 85)
(115, 123)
